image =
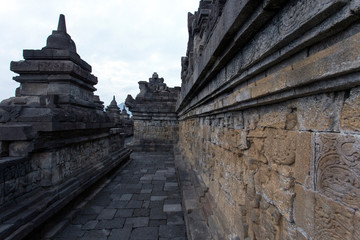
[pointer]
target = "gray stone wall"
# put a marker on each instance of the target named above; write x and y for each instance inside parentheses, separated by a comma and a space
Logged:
(51, 167)
(269, 117)
(155, 121)
(156, 131)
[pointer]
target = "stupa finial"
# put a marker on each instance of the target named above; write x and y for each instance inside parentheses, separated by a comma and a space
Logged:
(62, 24)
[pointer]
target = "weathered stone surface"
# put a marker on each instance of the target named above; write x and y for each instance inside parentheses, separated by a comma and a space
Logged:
(320, 113)
(304, 163)
(350, 115)
(304, 207)
(55, 138)
(337, 168)
(356, 222)
(20, 148)
(269, 124)
(4, 149)
(332, 221)
(268, 116)
(60, 39)
(18, 132)
(155, 121)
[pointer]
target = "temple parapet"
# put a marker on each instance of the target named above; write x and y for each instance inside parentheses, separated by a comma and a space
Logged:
(55, 138)
(153, 109)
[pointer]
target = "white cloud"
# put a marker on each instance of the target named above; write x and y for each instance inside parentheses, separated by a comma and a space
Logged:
(125, 41)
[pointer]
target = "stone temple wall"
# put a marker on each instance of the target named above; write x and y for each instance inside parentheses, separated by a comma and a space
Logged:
(155, 120)
(269, 117)
(55, 138)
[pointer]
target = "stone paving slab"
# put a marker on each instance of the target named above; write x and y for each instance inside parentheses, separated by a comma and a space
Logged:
(142, 201)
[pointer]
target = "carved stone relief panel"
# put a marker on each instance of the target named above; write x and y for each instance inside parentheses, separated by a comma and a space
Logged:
(332, 220)
(337, 168)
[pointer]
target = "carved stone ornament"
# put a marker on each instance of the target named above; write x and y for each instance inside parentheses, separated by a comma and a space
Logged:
(338, 167)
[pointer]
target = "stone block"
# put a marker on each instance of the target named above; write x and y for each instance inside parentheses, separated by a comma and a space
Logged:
(199, 230)
(37, 115)
(137, 221)
(71, 231)
(124, 213)
(269, 226)
(58, 89)
(146, 233)
(274, 116)
(336, 168)
(158, 198)
(24, 66)
(20, 148)
(4, 149)
(343, 55)
(107, 213)
(120, 234)
(126, 197)
(95, 234)
(304, 207)
(157, 214)
(90, 225)
(46, 177)
(356, 223)
(320, 112)
(172, 208)
(350, 113)
(279, 146)
(290, 232)
(304, 170)
(276, 190)
(16, 132)
(332, 220)
(269, 85)
(172, 231)
(44, 160)
(33, 89)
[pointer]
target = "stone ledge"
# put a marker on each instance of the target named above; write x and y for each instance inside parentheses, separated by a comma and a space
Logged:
(150, 147)
(336, 68)
(56, 54)
(18, 132)
(226, 75)
(196, 223)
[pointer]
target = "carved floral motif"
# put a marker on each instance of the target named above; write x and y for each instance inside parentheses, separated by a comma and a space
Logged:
(338, 167)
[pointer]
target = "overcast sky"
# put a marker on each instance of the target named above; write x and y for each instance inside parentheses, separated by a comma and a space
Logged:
(124, 41)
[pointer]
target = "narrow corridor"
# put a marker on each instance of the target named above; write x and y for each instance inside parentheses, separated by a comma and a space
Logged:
(142, 201)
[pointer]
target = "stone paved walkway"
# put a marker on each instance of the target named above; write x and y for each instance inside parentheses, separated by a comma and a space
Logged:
(141, 202)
